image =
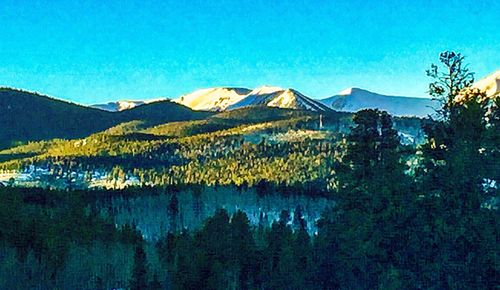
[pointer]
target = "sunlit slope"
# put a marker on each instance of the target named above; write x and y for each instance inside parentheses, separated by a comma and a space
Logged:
(213, 99)
(280, 98)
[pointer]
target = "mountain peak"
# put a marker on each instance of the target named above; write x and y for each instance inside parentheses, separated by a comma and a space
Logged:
(350, 91)
(280, 98)
(355, 99)
(213, 99)
(264, 90)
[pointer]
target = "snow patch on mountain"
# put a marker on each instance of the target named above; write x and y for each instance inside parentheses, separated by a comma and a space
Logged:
(281, 98)
(257, 97)
(213, 99)
(355, 99)
(124, 105)
(349, 100)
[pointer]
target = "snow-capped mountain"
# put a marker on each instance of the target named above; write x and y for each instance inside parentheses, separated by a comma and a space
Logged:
(355, 99)
(349, 100)
(118, 105)
(278, 97)
(213, 99)
(123, 105)
(490, 84)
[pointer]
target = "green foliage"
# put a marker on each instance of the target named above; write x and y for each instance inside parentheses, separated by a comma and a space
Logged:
(454, 77)
(227, 120)
(459, 164)
(224, 255)
(240, 147)
(366, 231)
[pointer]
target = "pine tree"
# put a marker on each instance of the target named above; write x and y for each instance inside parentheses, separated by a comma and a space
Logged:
(139, 273)
(448, 84)
(173, 211)
(372, 204)
(457, 235)
(242, 248)
(299, 222)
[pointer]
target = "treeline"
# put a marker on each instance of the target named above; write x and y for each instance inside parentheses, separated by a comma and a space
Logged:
(51, 240)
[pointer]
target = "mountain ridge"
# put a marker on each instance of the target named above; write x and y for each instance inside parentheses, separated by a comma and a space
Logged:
(354, 99)
(122, 105)
(29, 116)
(281, 98)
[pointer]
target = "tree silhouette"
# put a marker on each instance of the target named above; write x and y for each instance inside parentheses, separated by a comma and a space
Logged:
(454, 77)
(139, 273)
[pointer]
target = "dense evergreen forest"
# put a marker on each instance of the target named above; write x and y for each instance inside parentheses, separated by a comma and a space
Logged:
(424, 218)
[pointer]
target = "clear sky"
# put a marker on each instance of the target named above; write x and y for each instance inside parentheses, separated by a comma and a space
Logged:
(93, 51)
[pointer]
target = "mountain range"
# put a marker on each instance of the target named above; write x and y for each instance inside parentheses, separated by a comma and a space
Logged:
(349, 100)
(355, 99)
(27, 116)
(281, 98)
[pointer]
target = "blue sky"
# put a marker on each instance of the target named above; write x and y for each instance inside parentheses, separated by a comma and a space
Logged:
(93, 51)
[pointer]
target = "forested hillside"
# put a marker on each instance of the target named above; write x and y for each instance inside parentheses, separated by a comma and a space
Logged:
(238, 147)
(27, 116)
(230, 148)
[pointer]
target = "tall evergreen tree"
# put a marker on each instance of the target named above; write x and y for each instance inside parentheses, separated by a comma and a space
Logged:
(448, 82)
(139, 273)
(373, 205)
(173, 211)
(457, 165)
(299, 222)
(242, 250)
